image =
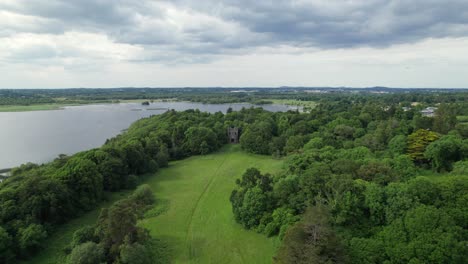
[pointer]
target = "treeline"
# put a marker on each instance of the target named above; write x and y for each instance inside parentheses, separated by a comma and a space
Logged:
(37, 198)
(225, 95)
(350, 192)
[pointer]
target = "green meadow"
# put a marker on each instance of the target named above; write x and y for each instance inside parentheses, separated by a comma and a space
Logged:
(34, 107)
(192, 218)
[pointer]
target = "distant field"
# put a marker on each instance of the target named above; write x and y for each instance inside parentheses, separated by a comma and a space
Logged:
(193, 216)
(305, 104)
(60, 105)
(24, 108)
(462, 119)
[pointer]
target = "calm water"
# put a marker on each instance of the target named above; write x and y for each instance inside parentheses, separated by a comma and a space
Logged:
(40, 136)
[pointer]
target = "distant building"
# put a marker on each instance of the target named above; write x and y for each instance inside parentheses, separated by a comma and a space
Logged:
(406, 109)
(233, 135)
(429, 111)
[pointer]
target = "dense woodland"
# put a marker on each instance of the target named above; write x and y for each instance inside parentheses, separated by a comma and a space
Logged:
(365, 182)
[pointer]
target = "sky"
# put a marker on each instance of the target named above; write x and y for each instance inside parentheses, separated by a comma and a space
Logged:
(233, 43)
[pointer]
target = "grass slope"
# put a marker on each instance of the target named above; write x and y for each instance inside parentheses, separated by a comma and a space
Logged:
(199, 225)
(193, 215)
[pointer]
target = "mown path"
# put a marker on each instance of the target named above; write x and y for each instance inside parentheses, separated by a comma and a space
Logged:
(199, 226)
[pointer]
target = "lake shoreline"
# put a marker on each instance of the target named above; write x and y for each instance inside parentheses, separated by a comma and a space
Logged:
(61, 106)
(40, 136)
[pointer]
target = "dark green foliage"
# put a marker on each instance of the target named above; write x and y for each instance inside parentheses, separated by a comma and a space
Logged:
(312, 240)
(85, 183)
(257, 137)
(252, 199)
(200, 140)
(135, 253)
(6, 254)
(30, 239)
(116, 232)
(443, 152)
(398, 145)
(445, 118)
(82, 235)
(87, 253)
(460, 168)
(424, 235)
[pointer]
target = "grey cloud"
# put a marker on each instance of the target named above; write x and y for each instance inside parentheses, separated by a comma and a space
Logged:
(241, 24)
(330, 24)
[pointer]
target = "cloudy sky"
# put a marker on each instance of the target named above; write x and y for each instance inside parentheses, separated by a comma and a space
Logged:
(116, 43)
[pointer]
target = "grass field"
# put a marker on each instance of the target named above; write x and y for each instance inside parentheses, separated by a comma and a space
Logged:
(193, 216)
(36, 107)
(462, 119)
(308, 105)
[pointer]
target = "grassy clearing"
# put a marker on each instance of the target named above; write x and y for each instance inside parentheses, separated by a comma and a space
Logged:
(306, 104)
(193, 216)
(462, 119)
(198, 225)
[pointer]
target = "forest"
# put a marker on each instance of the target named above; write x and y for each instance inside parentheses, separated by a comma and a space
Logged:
(367, 179)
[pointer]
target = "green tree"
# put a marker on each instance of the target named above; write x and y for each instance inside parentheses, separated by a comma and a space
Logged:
(424, 235)
(6, 254)
(82, 235)
(398, 145)
(312, 240)
(84, 180)
(443, 152)
(417, 143)
(200, 140)
(257, 137)
(87, 253)
(445, 118)
(31, 238)
(135, 253)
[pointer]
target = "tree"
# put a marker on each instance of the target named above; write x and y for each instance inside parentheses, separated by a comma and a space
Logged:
(82, 235)
(294, 143)
(417, 143)
(312, 240)
(31, 238)
(282, 218)
(424, 235)
(86, 253)
(445, 118)
(257, 137)
(460, 168)
(135, 253)
(84, 180)
(200, 140)
(443, 152)
(6, 254)
(398, 145)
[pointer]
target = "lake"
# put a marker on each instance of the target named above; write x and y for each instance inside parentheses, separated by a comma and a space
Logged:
(40, 136)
